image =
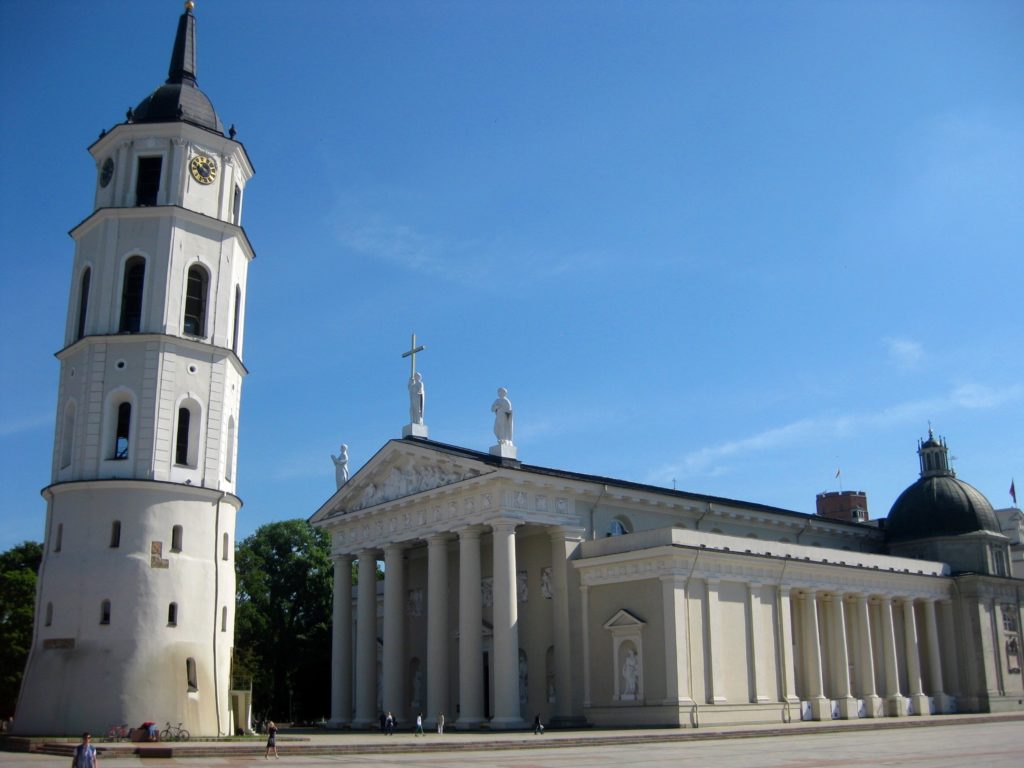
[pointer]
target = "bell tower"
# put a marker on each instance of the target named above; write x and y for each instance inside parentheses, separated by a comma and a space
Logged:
(135, 614)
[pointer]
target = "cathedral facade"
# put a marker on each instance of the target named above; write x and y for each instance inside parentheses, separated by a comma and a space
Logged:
(513, 591)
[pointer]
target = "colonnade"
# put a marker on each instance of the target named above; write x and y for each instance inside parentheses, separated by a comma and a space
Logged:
(504, 659)
(868, 667)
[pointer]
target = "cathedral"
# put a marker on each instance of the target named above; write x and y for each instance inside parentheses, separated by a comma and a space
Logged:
(511, 591)
(514, 591)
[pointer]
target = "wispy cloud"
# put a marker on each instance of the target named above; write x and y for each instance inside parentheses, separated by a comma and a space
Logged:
(904, 353)
(711, 460)
(30, 424)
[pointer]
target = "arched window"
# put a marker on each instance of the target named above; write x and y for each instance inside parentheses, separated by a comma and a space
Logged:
(105, 612)
(224, 548)
(83, 302)
(131, 295)
(238, 315)
(195, 301)
(620, 526)
(190, 675)
(172, 615)
(181, 439)
(122, 430)
(176, 535)
(147, 182)
(115, 534)
(49, 614)
(236, 206)
(67, 438)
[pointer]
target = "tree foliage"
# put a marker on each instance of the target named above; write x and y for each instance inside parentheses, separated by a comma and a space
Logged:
(18, 568)
(283, 620)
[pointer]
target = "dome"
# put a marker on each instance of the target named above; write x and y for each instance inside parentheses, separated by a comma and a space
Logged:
(939, 503)
(179, 98)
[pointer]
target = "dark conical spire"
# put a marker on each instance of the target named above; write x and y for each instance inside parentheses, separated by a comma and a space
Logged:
(179, 99)
(183, 57)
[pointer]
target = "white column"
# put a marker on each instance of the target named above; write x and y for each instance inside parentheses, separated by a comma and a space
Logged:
(677, 641)
(585, 623)
(563, 543)
(844, 697)
(341, 643)
(714, 649)
(394, 631)
(437, 627)
(950, 658)
(471, 654)
(366, 641)
(934, 657)
(894, 698)
(872, 701)
(506, 627)
(785, 655)
(758, 676)
(820, 707)
(914, 659)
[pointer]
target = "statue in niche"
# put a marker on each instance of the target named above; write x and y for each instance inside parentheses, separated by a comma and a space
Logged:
(545, 582)
(487, 592)
(502, 409)
(522, 588)
(341, 465)
(414, 603)
(417, 399)
(630, 674)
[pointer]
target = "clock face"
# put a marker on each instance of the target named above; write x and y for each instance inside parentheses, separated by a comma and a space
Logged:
(107, 172)
(203, 169)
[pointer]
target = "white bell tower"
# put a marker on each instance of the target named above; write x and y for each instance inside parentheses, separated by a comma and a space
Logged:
(135, 613)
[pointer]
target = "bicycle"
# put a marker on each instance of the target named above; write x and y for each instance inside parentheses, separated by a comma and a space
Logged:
(119, 732)
(174, 733)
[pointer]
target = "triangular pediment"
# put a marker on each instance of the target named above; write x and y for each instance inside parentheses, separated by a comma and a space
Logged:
(623, 618)
(400, 469)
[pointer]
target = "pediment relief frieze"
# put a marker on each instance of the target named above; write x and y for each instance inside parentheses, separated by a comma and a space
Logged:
(407, 476)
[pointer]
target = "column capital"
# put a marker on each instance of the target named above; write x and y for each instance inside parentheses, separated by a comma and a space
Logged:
(395, 547)
(566, 533)
(441, 537)
(367, 553)
(470, 531)
(337, 557)
(506, 524)
(675, 578)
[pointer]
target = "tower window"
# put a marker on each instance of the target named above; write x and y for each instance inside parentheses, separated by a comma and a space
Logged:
(172, 615)
(234, 327)
(147, 183)
(195, 302)
(115, 534)
(122, 431)
(83, 302)
(224, 548)
(131, 295)
(68, 436)
(49, 614)
(105, 612)
(236, 205)
(224, 618)
(176, 535)
(190, 675)
(59, 538)
(181, 439)
(229, 460)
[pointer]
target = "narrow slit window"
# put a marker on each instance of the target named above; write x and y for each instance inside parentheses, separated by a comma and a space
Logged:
(172, 615)
(225, 548)
(68, 436)
(190, 675)
(224, 618)
(234, 327)
(115, 534)
(49, 614)
(176, 536)
(236, 206)
(59, 538)
(105, 612)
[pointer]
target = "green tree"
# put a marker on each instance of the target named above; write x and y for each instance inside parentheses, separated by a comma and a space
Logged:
(18, 568)
(283, 619)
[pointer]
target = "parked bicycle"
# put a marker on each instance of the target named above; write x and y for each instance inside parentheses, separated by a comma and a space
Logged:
(119, 732)
(174, 733)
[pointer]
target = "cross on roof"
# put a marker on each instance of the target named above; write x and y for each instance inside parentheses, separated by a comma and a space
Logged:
(413, 349)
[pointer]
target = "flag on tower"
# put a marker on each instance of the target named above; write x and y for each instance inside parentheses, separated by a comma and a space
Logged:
(1013, 492)
(837, 471)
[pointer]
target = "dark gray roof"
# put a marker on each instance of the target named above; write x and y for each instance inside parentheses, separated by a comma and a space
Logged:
(941, 505)
(179, 98)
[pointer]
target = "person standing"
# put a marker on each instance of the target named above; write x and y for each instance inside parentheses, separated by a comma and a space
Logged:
(538, 726)
(440, 723)
(85, 753)
(272, 740)
(419, 725)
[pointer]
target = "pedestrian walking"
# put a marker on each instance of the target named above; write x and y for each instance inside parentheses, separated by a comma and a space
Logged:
(271, 740)
(85, 753)
(419, 725)
(440, 723)
(538, 726)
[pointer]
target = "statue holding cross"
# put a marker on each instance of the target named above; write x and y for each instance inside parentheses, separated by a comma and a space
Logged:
(417, 395)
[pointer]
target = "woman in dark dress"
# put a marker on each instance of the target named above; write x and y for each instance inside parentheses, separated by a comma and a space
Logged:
(272, 740)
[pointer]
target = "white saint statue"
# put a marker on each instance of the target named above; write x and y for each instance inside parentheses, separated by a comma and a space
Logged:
(341, 466)
(502, 408)
(630, 673)
(417, 399)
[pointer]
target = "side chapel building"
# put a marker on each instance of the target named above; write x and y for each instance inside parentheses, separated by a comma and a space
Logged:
(513, 590)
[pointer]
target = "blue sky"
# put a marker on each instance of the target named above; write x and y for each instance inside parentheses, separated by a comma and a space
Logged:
(734, 245)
